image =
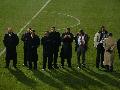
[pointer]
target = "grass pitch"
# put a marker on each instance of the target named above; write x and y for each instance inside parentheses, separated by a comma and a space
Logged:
(88, 15)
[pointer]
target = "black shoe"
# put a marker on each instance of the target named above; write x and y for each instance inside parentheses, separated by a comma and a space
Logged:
(83, 65)
(97, 67)
(51, 68)
(6, 66)
(15, 67)
(70, 66)
(56, 67)
(102, 66)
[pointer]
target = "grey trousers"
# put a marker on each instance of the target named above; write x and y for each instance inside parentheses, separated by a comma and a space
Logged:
(81, 51)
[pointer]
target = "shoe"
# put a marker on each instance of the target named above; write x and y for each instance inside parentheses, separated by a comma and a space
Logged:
(15, 66)
(62, 66)
(56, 67)
(70, 66)
(51, 68)
(6, 66)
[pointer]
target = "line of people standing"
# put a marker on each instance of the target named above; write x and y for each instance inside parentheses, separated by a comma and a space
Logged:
(51, 42)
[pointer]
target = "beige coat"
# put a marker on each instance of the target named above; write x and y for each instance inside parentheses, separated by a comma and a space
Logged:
(110, 44)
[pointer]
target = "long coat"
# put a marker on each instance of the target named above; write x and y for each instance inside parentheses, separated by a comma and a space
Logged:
(10, 41)
(34, 44)
(66, 50)
(109, 45)
(55, 39)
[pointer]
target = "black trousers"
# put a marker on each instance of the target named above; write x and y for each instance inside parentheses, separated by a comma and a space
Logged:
(11, 55)
(68, 61)
(25, 57)
(119, 54)
(100, 55)
(33, 62)
(45, 59)
(54, 58)
(14, 62)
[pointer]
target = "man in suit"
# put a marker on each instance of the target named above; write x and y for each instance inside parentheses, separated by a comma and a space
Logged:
(34, 44)
(10, 41)
(66, 50)
(26, 39)
(54, 36)
(47, 55)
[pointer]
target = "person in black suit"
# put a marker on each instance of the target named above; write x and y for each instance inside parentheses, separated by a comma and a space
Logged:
(10, 41)
(26, 39)
(55, 39)
(47, 55)
(66, 50)
(34, 44)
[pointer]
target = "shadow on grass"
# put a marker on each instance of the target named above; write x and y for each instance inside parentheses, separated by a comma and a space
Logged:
(42, 76)
(20, 76)
(75, 80)
(115, 74)
(105, 78)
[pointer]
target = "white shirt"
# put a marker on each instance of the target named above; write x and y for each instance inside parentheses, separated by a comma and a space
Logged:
(81, 40)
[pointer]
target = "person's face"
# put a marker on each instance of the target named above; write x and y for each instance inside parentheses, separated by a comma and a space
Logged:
(28, 30)
(9, 30)
(52, 29)
(33, 33)
(46, 33)
(102, 28)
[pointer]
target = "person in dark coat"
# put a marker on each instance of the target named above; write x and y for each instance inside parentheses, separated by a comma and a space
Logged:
(47, 55)
(56, 42)
(118, 47)
(34, 44)
(10, 41)
(26, 39)
(99, 40)
(82, 45)
(66, 50)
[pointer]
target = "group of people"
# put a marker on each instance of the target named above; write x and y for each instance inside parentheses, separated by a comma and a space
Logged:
(105, 45)
(51, 42)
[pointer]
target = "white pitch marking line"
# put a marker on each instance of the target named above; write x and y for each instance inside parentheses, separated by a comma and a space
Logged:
(41, 9)
(67, 15)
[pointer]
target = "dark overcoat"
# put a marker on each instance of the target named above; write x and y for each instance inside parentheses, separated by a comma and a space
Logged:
(10, 41)
(66, 50)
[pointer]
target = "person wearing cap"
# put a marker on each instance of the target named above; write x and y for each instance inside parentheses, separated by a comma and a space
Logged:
(82, 44)
(98, 44)
(10, 41)
(26, 40)
(66, 50)
(55, 39)
(34, 44)
(118, 47)
(109, 45)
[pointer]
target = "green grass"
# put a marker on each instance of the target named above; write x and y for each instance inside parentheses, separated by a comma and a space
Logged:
(92, 14)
